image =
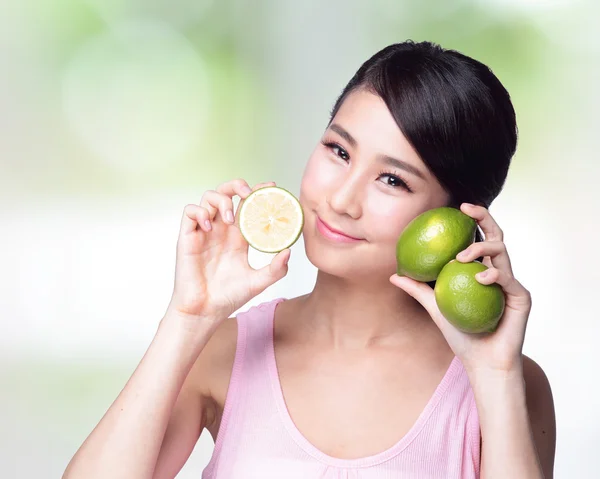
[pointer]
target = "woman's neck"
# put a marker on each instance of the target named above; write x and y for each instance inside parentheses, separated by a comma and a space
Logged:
(361, 314)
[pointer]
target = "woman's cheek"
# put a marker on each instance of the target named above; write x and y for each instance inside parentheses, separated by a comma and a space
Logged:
(388, 214)
(320, 173)
(329, 175)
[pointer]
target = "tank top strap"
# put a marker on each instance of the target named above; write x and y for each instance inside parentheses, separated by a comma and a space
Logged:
(249, 392)
(255, 327)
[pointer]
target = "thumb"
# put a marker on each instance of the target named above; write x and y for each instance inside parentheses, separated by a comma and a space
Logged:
(273, 272)
(422, 292)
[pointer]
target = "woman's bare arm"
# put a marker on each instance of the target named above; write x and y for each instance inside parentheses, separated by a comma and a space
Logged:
(518, 424)
(127, 440)
(197, 407)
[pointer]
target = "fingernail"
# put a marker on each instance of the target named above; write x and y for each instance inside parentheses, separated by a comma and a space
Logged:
(463, 254)
(229, 216)
(287, 259)
(483, 274)
(246, 190)
(208, 225)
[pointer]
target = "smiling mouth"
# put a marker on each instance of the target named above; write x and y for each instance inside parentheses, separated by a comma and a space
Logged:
(333, 234)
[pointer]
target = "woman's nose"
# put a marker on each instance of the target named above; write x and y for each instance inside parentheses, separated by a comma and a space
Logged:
(345, 199)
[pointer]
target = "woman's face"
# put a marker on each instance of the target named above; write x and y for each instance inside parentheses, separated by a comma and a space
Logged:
(363, 179)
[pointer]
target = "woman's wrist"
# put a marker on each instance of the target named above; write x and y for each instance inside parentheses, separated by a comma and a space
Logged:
(490, 386)
(186, 334)
(507, 370)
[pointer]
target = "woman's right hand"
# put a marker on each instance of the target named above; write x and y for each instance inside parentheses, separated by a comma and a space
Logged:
(213, 277)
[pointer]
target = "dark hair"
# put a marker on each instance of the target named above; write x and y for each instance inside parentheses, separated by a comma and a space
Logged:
(452, 109)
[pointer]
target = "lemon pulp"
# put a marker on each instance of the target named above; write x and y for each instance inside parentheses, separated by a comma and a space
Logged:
(271, 219)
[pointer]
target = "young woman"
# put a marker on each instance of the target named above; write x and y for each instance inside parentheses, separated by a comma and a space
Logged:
(362, 377)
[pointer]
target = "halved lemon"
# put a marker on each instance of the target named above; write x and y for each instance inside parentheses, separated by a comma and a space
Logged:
(271, 219)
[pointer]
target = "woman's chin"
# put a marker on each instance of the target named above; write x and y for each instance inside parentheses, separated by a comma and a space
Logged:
(345, 264)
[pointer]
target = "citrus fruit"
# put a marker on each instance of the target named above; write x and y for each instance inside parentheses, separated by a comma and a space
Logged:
(432, 239)
(469, 305)
(271, 219)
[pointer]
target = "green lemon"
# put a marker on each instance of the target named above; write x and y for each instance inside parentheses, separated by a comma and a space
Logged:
(431, 240)
(271, 219)
(469, 305)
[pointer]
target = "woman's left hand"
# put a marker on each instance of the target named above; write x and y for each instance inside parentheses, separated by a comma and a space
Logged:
(498, 351)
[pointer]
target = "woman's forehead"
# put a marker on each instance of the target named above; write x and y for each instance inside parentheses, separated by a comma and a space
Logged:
(366, 118)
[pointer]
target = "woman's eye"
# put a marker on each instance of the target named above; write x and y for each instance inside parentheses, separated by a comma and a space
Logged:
(337, 150)
(394, 181)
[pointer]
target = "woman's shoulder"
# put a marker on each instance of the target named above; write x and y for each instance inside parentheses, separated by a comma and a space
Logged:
(531, 369)
(536, 381)
(538, 390)
(540, 406)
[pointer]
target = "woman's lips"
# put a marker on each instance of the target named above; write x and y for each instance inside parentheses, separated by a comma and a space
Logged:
(332, 235)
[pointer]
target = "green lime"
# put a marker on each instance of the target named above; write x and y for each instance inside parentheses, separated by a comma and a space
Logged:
(469, 305)
(431, 240)
(271, 219)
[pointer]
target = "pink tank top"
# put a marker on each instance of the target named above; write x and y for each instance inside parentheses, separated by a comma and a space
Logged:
(257, 438)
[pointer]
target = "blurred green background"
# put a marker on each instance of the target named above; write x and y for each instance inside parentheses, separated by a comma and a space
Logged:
(114, 114)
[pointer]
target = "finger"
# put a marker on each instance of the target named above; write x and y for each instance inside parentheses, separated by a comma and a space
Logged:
(229, 189)
(488, 225)
(218, 202)
(509, 283)
(203, 219)
(266, 276)
(496, 250)
(194, 216)
(263, 185)
(237, 187)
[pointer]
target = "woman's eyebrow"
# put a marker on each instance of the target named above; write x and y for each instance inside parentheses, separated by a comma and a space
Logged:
(401, 164)
(344, 134)
(388, 160)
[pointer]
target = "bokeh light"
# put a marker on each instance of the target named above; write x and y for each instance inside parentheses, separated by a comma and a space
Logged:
(181, 13)
(138, 96)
